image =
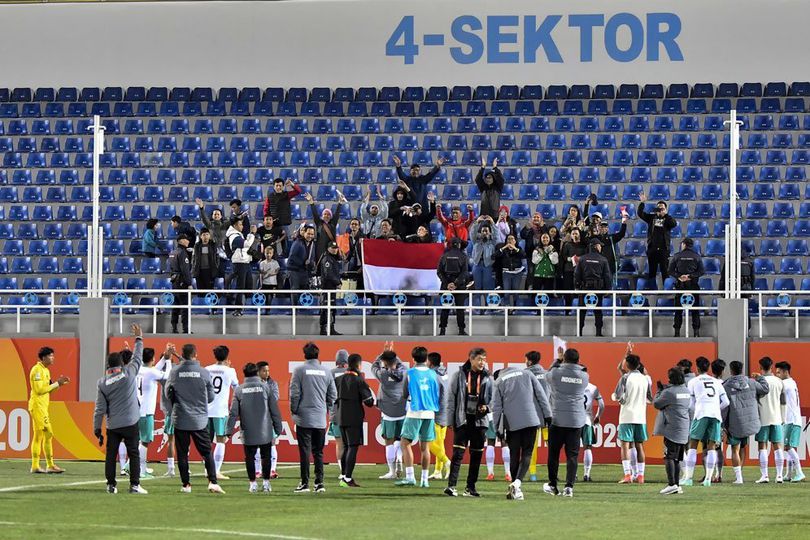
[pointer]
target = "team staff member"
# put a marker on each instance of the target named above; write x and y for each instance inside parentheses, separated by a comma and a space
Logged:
(352, 393)
(741, 417)
(41, 388)
(256, 407)
(117, 399)
(467, 408)
(686, 267)
(568, 384)
(519, 407)
(673, 402)
(659, 232)
(190, 390)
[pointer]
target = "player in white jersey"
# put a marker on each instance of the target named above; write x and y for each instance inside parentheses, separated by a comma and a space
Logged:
(148, 378)
(223, 379)
(592, 396)
(770, 416)
(793, 421)
(633, 393)
(709, 398)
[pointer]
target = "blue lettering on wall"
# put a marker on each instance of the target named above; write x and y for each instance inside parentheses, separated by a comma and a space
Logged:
(621, 37)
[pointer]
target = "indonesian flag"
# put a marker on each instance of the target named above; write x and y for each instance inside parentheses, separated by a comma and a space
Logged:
(397, 266)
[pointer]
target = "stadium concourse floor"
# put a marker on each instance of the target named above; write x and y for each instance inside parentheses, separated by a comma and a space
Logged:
(75, 505)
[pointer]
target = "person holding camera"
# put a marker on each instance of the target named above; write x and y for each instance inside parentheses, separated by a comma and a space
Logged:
(467, 409)
(301, 262)
(687, 268)
(659, 233)
(453, 271)
(520, 407)
(592, 274)
(329, 273)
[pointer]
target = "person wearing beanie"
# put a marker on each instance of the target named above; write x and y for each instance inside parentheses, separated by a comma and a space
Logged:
(686, 267)
(592, 274)
(490, 183)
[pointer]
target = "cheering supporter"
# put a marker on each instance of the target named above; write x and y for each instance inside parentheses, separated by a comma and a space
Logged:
(483, 253)
(421, 236)
(387, 231)
(301, 263)
(418, 182)
(413, 217)
(512, 260)
(544, 263)
(610, 244)
(351, 249)
(325, 224)
(372, 214)
(570, 253)
(456, 226)
(505, 224)
(532, 233)
(215, 224)
(270, 233)
(659, 232)
(573, 221)
(402, 199)
(490, 184)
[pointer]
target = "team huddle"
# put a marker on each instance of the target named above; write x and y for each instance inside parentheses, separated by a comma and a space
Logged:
(516, 406)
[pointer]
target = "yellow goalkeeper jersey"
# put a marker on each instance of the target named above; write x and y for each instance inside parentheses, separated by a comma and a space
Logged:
(41, 388)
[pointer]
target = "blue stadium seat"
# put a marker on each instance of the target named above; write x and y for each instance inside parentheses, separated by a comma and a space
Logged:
(797, 247)
(770, 247)
(791, 265)
(777, 227)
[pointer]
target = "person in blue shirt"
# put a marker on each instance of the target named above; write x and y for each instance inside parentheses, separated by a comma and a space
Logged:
(150, 245)
(423, 393)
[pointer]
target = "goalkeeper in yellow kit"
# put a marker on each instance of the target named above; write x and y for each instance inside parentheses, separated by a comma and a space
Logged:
(41, 388)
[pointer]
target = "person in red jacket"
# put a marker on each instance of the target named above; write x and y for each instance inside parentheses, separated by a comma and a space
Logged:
(456, 226)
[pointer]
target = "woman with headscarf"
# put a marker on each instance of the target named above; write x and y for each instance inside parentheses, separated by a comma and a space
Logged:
(530, 234)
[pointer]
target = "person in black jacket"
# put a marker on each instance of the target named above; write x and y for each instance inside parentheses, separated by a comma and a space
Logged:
(610, 245)
(352, 393)
(415, 216)
(325, 224)
(512, 260)
(402, 199)
(184, 227)
(180, 275)
(570, 253)
(659, 231)
(453, 271)
(416, 181)
(687, 268)
(329, 272)
(205, 261)
(593, 274)
(490, 184)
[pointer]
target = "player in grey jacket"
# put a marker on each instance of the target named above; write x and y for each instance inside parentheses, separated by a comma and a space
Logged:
(741, 417)
(568, 384)
(189, 390)
(256, 407)
(389, 370)
(672, 422)
(312, 396)
(117, 399)
(519, 407)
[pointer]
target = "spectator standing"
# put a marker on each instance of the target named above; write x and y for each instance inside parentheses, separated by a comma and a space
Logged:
(184, 227)
(312, 397)
(570, 253)
(687, 268)
(269, 270)
(415, 216)
(215, 224)
(402, 199)
(421, 236)
(329, 271)
(387, 231)
(241, 259)
(544, 264)
(453, 271)
(271, 234)
(205, 261)
(277, 203)
(610, 244)
(325, 224)
(301, 262)
(456, 226)
(490, 184)
(592, 274)
(238, 211)
(372, 214)
(505, 224)
(659, 232)
(150, 246)
(531, 234)
(416, 181)
(512, 260)
(181, 279)
(574, 221)
(483, 253)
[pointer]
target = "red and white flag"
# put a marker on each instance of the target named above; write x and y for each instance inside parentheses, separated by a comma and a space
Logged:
(397, 266)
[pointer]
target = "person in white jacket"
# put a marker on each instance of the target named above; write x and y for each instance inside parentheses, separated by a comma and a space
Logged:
(241, 258)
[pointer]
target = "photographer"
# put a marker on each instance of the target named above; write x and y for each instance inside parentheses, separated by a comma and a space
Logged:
(467, 409)
(453, 271)
(329, 273)
(686, 267)
(301, 262)
(659, 231)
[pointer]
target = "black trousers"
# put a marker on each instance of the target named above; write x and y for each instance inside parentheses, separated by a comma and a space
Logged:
(131, 438)
(327, 315)
(310, 443)
(694, 315)
(475, 437)
(250, 460)
(445, 313)
(569, 438)
(658, 259)
(673, 455)
(352, 437)
(568, 285)
(244, 280)
(205, 279)
(202, 442)
(597, 313)
(179, 314)
(521, 443)
(298, 281)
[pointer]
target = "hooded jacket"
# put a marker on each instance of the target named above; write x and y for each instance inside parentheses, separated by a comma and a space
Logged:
(395, 209)
(391, 395)
(568, 384)
(410, 223)
(741, 417)
(673, 418)
(454, 268)
(256, 407)
(490, 193)
(518, 401)
(456, 398)
(312, 394)
(371, 224)
(240, 246)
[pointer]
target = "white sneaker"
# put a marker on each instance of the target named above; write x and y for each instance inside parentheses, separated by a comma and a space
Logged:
(763, 480)
(517, 494)
(779, 479)
(169, 474)
(669, 490)
(568, 492)
(150, 470)
(137, 490)
(738, 482)
(266, 487)
(253, 488)
(215, 488)
(389, 476)
(185, 489)
(680, 490)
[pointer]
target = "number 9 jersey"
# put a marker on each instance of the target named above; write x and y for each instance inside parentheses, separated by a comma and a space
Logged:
(709, 396)
(223, 379)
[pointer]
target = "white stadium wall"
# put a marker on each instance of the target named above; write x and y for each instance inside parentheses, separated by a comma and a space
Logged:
(399, 43)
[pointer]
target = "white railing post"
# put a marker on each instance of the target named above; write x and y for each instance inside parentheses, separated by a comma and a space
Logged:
(95, 251)
(732, 253)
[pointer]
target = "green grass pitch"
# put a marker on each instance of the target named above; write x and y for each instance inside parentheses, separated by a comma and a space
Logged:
(75, 505)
